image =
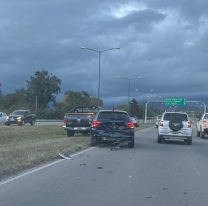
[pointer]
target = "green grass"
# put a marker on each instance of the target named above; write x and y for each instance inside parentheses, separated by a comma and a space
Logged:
(25, 147)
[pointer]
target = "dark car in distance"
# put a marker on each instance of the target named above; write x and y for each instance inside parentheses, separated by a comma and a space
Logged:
(112, 125)
(21, 117)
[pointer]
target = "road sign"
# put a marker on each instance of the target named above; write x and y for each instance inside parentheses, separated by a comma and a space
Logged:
(175, 101)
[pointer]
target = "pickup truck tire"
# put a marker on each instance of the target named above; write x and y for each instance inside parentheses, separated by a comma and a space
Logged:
(70, 133)
(202, 134)
(93, 141)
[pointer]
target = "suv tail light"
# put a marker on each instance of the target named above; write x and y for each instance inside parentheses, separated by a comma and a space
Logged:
(131, 125)
(65, 120)
(161, 123)
(204, 122)
(189, 124)
(95, 123)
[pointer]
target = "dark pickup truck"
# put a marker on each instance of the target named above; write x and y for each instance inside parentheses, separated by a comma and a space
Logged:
(79, 120)
(21, 117)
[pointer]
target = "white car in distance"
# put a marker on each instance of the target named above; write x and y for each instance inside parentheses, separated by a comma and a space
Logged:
(3, 118)
(202, 126)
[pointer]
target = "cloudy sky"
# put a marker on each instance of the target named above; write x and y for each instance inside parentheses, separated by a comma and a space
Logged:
(163, 41)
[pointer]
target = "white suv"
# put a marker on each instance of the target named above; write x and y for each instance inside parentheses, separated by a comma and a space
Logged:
(202, 126)
(175, 126)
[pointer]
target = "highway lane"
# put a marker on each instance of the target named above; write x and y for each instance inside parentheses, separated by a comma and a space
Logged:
(150, 174)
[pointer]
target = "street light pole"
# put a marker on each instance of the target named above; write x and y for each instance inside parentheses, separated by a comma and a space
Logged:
(129, 84)
(99, 70)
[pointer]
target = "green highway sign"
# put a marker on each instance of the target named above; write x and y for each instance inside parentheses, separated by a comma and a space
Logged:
(175, 101)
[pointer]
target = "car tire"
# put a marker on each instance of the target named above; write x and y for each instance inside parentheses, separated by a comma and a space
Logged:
(7, 124)
(131, 143)
(202, 134)
(159, 139)
(198, 134)
(93, 141)
(70, 133)
(189, 141)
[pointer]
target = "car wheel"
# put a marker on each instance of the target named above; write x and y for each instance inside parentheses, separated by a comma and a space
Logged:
(198, 134)
(189, 141)
(93, 141)
(131, 144)
(159, 139)
(70, 133)
(202, 134)
(7, 124)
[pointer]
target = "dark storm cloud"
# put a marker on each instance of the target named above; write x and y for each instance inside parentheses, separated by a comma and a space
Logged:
(165, 42)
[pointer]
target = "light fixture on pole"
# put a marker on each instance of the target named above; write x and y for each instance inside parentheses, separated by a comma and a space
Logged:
(99, 54)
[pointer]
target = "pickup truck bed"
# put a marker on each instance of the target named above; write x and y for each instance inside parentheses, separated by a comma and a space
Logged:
(78, 122)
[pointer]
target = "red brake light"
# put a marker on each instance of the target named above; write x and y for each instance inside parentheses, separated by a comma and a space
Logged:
(95, 123)
(131, 125)
(189, 124)
(65, 120)
(161, 123)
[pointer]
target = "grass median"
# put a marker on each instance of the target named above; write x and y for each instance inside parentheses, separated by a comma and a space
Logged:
(24, 147)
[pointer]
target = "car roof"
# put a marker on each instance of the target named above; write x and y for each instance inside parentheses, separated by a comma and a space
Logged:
(176, 112)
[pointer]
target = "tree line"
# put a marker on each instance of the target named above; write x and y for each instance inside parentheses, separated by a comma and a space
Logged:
(40, 92)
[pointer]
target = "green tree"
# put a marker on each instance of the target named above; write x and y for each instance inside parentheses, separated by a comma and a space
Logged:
(15, 100)
(43, 85)
(75, 99)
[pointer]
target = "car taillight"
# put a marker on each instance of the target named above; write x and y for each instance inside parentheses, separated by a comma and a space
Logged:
(161, 123)
(95, 123)
(204, 122)
(65, 120)
(189, 124)
(131, 125)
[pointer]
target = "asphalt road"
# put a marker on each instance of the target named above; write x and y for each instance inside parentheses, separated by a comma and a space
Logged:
(151, 174)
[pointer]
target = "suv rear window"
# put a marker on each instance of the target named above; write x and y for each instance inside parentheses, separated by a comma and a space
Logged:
(170, 116)
(114, 116)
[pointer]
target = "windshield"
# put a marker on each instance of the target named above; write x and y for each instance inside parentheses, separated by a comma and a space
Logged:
(19, 112)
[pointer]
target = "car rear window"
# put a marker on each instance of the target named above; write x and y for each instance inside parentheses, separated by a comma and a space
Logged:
(170, 116)
(113, 116)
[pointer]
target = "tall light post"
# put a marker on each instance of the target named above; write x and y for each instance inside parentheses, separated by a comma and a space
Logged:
(99, 54)
(129, 84)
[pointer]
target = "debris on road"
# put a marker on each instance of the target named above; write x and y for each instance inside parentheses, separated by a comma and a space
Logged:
(65, 157)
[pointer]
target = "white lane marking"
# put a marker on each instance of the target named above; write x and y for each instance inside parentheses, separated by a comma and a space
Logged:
(42, 167)
(195, 167)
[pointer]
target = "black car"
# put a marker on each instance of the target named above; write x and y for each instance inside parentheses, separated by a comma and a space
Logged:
(21, 117)
(112, 125)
